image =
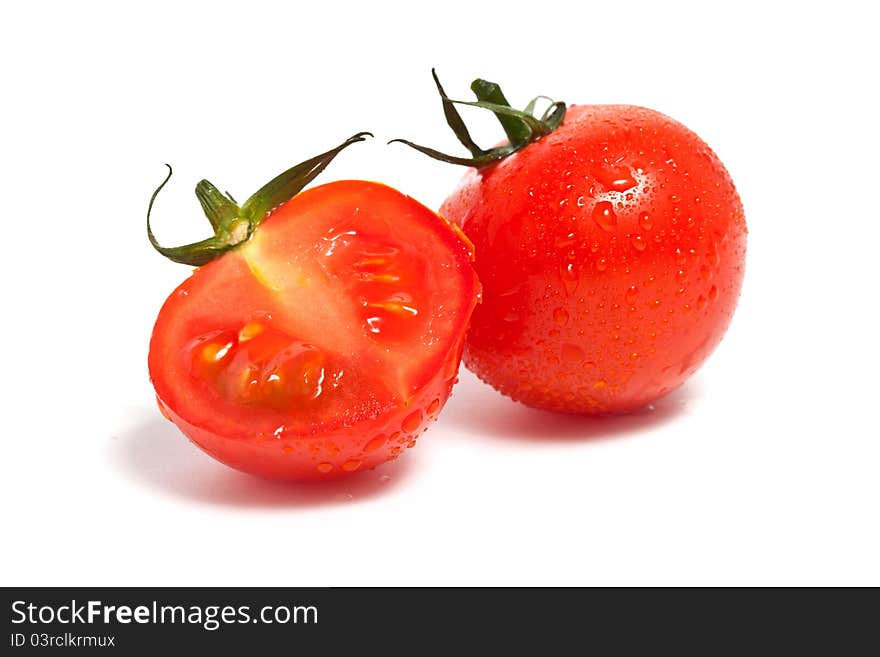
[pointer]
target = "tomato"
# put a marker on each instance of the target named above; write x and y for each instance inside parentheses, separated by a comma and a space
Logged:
(611, 250)
(324, 343)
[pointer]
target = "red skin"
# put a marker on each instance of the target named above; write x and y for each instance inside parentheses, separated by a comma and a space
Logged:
(303, 294)
(581, 318)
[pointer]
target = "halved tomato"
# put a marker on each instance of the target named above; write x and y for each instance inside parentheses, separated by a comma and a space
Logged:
(323, 344)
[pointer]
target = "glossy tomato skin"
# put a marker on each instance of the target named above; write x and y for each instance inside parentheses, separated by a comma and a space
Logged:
(367, 443)
(611, 254)
(311, 284)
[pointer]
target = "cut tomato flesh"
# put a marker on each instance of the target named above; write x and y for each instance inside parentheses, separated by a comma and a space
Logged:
(350, 283)
(346, 301)
(262, 366)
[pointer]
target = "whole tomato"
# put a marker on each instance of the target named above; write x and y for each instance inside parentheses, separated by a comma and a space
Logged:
(610, 242)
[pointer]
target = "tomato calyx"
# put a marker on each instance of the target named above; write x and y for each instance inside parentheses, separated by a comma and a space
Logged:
(234, 225)
(522, 127)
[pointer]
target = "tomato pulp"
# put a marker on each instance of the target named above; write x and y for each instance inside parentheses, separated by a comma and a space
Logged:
(325, 343)
(611, 253)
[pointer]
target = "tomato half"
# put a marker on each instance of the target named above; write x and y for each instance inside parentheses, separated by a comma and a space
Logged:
(325, 343)
(611, 252)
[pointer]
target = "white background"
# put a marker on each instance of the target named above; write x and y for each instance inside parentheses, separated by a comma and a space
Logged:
(763, 469)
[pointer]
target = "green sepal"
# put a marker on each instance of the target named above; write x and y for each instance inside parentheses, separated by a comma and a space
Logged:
(454, 120)
(480, 161)
(285, 186)
(234, 225)
(522, 127)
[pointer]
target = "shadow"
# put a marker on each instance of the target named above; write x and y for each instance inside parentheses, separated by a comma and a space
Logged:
(157, 455)
(478, 409)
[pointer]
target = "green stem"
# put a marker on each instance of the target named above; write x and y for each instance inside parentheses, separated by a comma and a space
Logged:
(489, 92)
(218, 208)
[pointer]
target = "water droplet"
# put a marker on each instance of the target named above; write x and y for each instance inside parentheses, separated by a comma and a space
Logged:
(634, 356)
(374, 324)
(560, 316)
(412, 422)
(616, 178)
(582, 201)
(566, 241)
(569, 277)
(433, 407)
(351, 466)
(631, 294)
(572, 353)
(680, 276)
(622, 184)
(645, 221)
(603, 214)
(638, 242)
(680, 257)
(601, 264)
(324, 468)
(701, 302)
(375, 444)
